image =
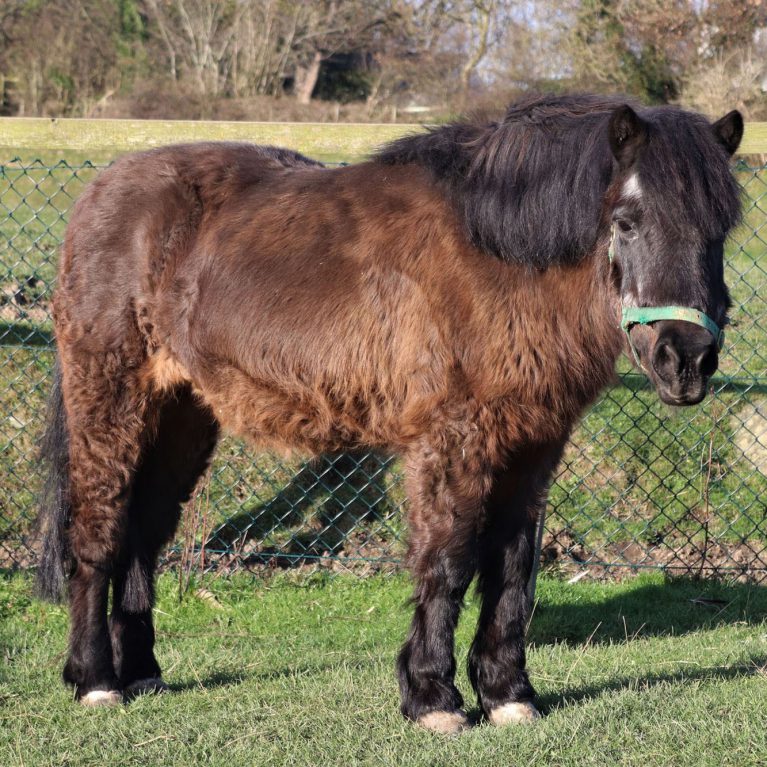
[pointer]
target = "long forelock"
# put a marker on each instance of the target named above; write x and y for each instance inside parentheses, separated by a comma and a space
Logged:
(534, 192)
(688, 186)
(531, 187)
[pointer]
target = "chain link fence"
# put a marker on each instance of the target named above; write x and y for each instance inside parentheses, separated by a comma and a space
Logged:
(641, 486)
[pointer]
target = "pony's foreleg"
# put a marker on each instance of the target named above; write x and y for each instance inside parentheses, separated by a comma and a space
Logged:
(506, 548)
(443, 516)
(168, 471)
(105, 421)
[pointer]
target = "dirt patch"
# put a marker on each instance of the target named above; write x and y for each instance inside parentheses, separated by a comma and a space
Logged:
(562, 555)
(742, 561)
(22, 557)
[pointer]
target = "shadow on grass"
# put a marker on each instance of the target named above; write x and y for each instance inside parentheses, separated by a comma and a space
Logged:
(573, 695)
(678, 606)
(585, 615)
(546, 704)
(570, 696)
(227, 679)
(25, 334)
(210, 682)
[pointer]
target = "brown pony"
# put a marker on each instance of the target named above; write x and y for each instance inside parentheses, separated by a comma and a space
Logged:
(455, 300)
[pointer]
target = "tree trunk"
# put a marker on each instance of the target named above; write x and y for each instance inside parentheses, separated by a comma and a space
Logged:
(484, 14)
(306, 79)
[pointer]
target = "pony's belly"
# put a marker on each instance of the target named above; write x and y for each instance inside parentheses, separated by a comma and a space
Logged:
(290, 415)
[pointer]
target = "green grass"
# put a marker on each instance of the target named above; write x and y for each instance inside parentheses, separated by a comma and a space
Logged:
(298, 670)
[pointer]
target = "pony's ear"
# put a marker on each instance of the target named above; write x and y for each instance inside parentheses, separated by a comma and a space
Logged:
(728, 130)
(627, 132)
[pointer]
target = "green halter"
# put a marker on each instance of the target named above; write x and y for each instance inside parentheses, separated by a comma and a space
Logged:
(646, 315)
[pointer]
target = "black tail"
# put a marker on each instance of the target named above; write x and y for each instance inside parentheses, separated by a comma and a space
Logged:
(53, 519)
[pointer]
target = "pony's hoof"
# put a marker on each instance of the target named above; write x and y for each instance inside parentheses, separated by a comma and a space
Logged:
(149, 686)
(101, 698)
(444, 722)
(514, 713)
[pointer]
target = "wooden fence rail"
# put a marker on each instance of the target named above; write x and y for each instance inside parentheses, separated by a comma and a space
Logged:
(317, 139)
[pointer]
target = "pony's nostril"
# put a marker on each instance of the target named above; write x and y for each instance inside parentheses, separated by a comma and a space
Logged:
(666, 361)
(707, 361)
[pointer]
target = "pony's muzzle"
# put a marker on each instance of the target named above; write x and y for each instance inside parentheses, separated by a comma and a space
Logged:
(683, 359)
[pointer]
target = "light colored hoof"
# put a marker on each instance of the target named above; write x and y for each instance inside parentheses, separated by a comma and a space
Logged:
(444, 722)
(149, 686)
(514, 713)
(97, 698)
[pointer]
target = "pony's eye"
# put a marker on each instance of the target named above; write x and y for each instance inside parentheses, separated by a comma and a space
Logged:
(625, 226)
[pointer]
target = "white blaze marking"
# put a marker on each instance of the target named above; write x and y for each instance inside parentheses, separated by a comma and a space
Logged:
(631, 188)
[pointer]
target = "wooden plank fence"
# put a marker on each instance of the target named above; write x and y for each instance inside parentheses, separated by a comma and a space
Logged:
(321, 140)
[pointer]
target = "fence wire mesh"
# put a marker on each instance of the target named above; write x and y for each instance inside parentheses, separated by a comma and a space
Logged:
(640, 486)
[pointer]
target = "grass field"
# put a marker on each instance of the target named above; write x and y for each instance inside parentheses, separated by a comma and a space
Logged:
(298, 670)
(636, 474)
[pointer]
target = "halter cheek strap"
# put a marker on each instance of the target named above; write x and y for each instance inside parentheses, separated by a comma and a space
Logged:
(646, 315)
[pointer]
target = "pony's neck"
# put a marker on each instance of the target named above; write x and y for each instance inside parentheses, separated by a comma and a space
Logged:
(560, 339)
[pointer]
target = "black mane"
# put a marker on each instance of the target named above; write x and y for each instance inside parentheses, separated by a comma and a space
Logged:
(531, 186)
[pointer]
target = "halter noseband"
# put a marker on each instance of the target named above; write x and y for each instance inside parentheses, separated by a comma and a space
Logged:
(646, 315)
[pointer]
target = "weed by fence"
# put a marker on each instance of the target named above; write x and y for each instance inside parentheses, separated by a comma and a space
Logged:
(640, 486)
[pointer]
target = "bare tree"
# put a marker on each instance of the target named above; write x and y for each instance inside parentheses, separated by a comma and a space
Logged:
(648, 46)
(436, 49)
(61, 55)
(328, 27)
(729, 81)
(261, 48)
(198, 35)
(476, 18)
(70, 56)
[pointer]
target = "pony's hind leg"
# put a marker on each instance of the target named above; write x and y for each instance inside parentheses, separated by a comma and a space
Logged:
(105, 413)
(506, 549)
(168, 471)
(444, 511)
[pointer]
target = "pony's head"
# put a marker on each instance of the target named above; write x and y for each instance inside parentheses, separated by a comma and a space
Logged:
(558, 174)
(671, 205)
